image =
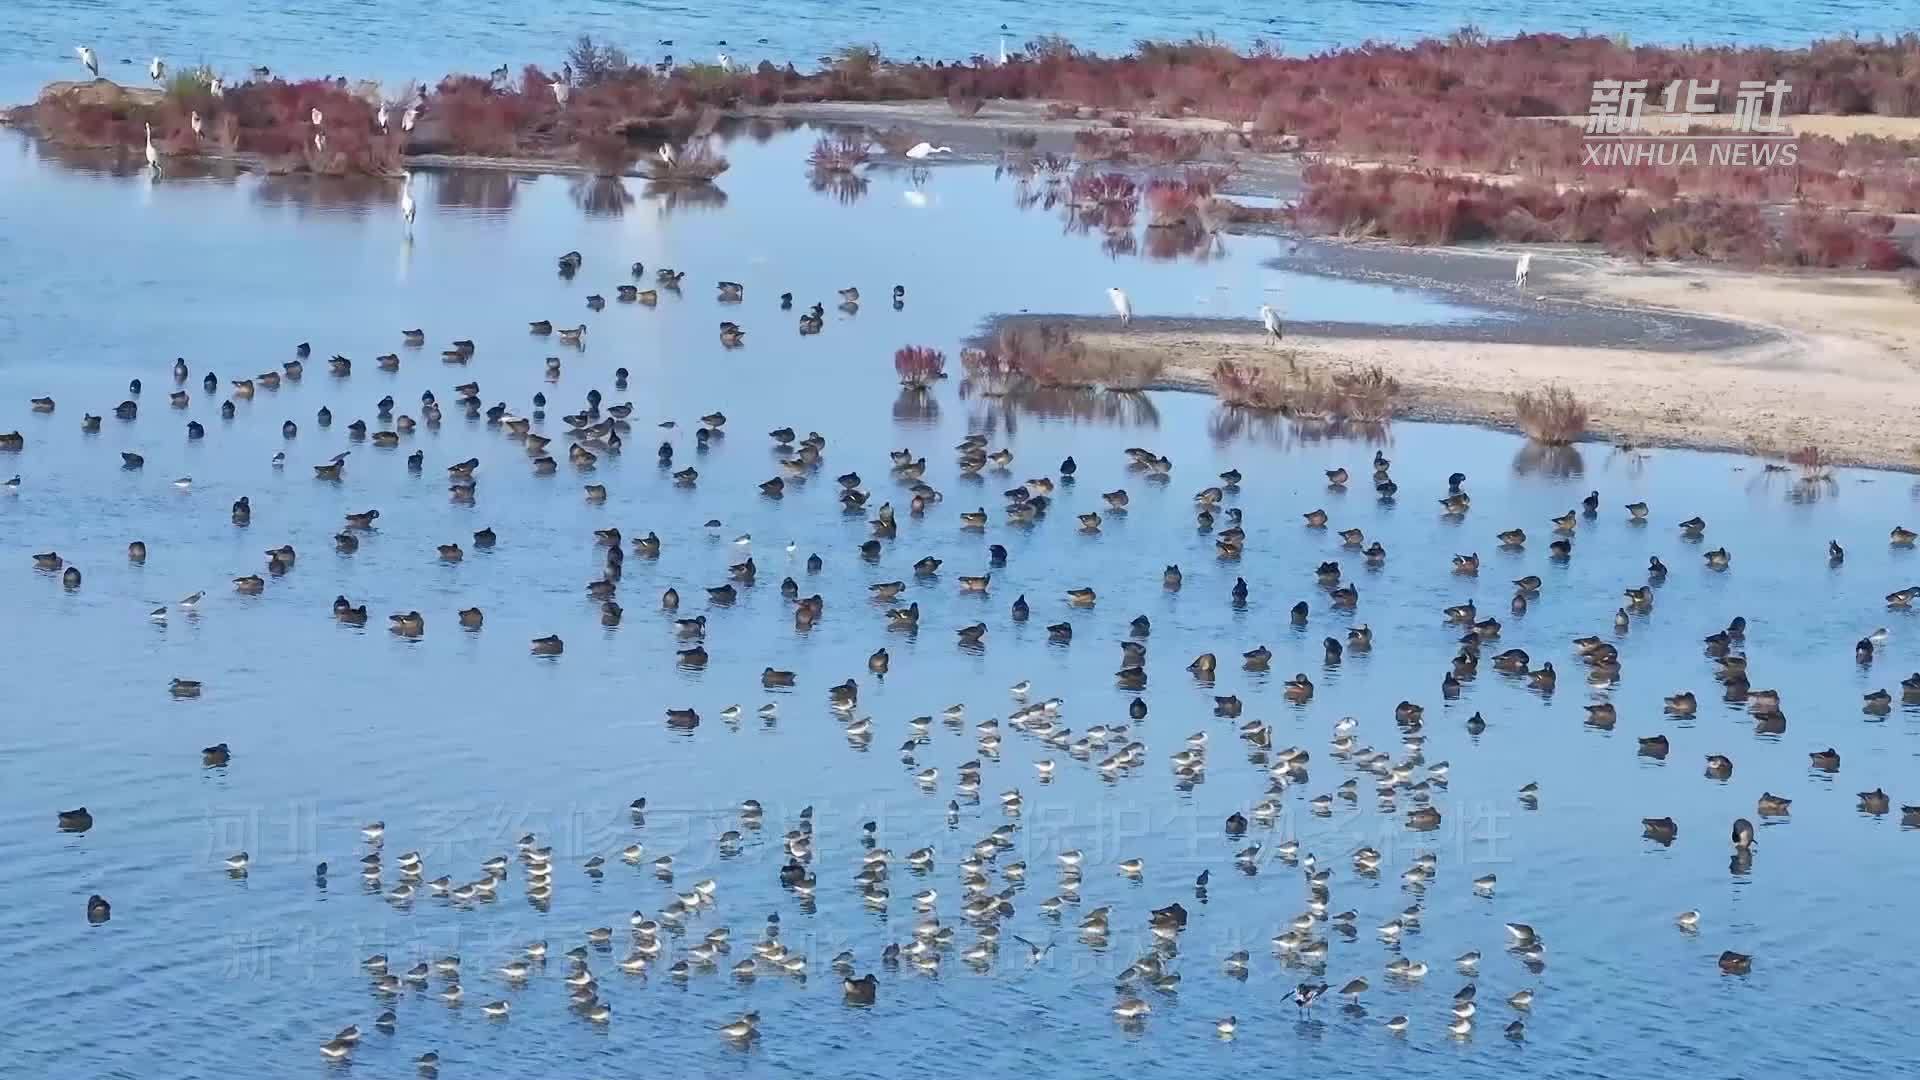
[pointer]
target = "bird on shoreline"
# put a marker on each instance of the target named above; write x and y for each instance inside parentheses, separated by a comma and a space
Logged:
(87, 59)
(1121, 304)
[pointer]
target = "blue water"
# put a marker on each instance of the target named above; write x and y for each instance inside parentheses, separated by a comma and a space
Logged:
(397, 40)
(460, 741)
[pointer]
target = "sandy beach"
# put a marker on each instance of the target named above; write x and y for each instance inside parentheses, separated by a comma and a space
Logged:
(1826, 360)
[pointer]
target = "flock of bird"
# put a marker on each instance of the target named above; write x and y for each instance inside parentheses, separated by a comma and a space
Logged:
(681, 940)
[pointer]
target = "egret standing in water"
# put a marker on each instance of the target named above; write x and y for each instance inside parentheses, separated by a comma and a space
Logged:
(87, 58)
(406, 200)
(157, 71)
(559, 92)
(921, 150)
(1122, 305)
(1270, 319)
(153, 155)
(1521, 269)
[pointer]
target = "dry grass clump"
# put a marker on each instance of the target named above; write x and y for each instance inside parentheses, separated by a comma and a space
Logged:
(839, 153)
(964, 102)
(919, 367)
(1046, 355)
(1552, 416)
(1366, 396)
(695, 163)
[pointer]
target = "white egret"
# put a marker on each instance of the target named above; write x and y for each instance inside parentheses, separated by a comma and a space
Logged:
(153, 155)
(381, 118)
(157, 70)
(216, 87)
(197, 124)
(1122, 305)
(315, 114)
(407, 118)
(1520, 270)
(1003, 49)
(922, 150)
(406, 199)
(87, 58)
(559, 92)
(1271, 320)
(319, 142)
(725, 62)
(666, 153)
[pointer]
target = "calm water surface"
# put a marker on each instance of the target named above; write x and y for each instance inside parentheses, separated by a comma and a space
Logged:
(410, 39)
(461, 741)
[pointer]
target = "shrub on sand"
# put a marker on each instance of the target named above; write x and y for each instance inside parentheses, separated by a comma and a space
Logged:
(964, 102)
(1552, 416)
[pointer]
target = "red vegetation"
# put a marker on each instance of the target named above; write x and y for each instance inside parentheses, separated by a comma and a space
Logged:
(919, 367)
(1460, 103)
(1026, 355)
(1434, 208)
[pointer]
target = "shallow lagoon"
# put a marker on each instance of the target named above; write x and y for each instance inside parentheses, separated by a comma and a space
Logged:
(460, 741)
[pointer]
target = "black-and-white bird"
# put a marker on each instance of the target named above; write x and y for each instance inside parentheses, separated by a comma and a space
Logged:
(1307, 993)
(87, 58)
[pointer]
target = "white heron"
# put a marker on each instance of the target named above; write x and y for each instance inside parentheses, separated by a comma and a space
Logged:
(381, 118)
(316, 117)
(157, 70)
(406, 199)
(196, 123)
(666, 153)
(921, 150)
(1122, 305)
(1520, 270)
(725, 62)
(88, 59)
(153, 154)
(407, 118)
(560, 90)
(1003, 49)
(1270, 319)
(319, 142)
(216, 87)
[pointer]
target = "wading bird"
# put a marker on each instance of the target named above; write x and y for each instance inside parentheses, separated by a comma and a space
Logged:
(921, 150)
(1270, 319)
(87, 58)
(1520, 270)
(1122, 305)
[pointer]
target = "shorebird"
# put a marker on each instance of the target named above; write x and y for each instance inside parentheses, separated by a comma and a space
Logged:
(1270, 319)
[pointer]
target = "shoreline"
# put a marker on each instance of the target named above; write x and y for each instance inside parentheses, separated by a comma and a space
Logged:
(1689, 355)
(1831, 361)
